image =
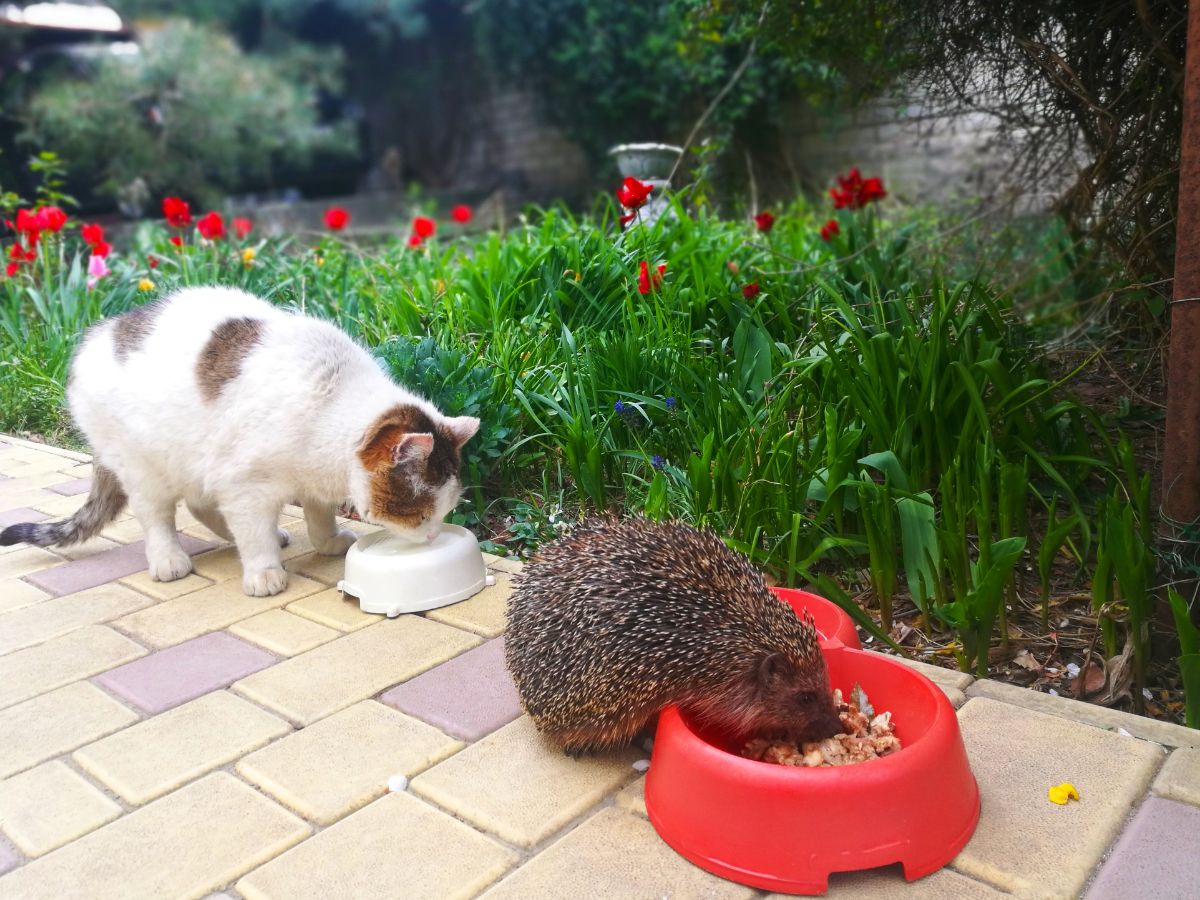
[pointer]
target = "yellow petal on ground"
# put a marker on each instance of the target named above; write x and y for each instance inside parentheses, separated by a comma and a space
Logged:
(1061, 793)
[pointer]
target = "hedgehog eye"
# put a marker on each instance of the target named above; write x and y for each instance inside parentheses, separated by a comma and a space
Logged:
(806, 697)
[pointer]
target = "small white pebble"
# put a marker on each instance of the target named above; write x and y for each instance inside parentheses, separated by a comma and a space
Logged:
(1052, 692)
(1124, 732)
(641, 765)
(397, 783)
(1051, 670)
(1146, 693)
(1072, 670)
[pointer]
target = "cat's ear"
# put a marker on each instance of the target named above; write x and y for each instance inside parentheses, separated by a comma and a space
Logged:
(412, 447)
(460, 429)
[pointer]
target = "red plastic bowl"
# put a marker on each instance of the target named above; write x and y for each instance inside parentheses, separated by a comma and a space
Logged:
(787, 829)
(833, 623)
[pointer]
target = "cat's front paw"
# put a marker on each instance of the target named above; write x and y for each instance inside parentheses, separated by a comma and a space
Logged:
(343, 539)
(171, 566)
(264, 582)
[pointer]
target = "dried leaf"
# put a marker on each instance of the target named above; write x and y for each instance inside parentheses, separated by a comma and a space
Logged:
(859, 698)
(1089, 681)
(1026, 660)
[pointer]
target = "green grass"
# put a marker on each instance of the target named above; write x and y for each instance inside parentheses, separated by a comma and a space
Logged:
(871, 409)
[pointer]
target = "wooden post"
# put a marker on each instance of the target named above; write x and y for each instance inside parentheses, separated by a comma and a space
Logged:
(1181, 457)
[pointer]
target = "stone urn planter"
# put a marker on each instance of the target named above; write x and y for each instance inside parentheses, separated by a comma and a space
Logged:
(650, 163)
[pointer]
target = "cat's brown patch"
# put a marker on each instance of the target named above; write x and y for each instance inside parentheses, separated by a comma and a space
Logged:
(130, 329)
(406, 493)
(221, 359)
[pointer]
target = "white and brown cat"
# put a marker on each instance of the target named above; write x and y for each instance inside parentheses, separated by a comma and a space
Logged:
(236, 407)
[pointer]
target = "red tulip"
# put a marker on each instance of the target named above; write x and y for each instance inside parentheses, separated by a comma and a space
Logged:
(11, 269)
(764, 221)
(53, 218)
(423, 227)
(461, 214)
(646, 281)
(415, 240)
(177, 213)
(152, 261)
(101, 249)
(177, 241)
(242, 227)
(830, 230)
(855, 192)
(336, 218)
(19, 254)
(91, 234)
(751, 290)
(211, 226)
(633, 193)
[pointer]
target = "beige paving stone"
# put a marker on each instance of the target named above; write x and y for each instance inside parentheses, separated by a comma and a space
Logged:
(352, 668)
(1025, 844)
(888, 883)
(208, 609)
(957, 698)
(1167, 733)
(343, 762)
(26, 483)
(518, 786)
(185, 845)
(153, 757)
(396, 847)
(125, 530)
(502, 564)
(335, 609)
(60, 507)
(17, 594)
(483, 614)
(50, 805)
(51, 618)
(25, 560)
(613, 854)
(632, 797)
(57, 723)
(164, 590)
(90, 547)
(942, 677)
(222, 564)
(283, 633)
(326, 569)
(25, 499)
(61, 660)
(79, 470)
(1180, 777)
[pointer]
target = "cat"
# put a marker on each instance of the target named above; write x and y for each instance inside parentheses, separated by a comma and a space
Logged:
(237, 407)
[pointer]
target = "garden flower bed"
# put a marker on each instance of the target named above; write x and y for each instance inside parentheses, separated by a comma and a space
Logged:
(830, 388)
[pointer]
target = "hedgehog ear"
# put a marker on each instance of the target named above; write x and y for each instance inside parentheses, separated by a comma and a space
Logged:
(771, 667)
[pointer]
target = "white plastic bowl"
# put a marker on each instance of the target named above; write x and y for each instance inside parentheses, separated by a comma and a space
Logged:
(392, 576)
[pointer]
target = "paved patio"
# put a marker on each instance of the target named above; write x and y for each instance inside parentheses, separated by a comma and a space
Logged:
(184, 740)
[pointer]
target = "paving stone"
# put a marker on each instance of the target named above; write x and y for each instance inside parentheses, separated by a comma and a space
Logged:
(354, 667)
(125, 530)
(510, 565)
(57, 723)
(334, 609)
(56, 506)
(1154, 857)
(158, 755)
(9, 858)
(326, 569)
(283, 633)
(109, 565)
(939, 675)
(90, 547)
(28, 480)
(205, 610)
(483, 614)
(343, 762)
(79, 470)
(28, 498)
(467, 697)
(888, 882)
(520, 787)
(613, 854)
(35, 624)
(1180, 777)
(1024, 843)
(396, 847)
(16, 594)
(186, 671)
(26, 560)
(164, 590)
(632, 798)
(19, 515)
(185, 845)
(61, 660)
(1147, 729)
(219, 565)
(49, 805)
(71, 488)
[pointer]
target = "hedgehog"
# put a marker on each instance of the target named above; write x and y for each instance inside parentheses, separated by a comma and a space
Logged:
(616, 620)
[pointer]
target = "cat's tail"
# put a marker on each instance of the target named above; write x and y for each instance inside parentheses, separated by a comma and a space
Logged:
(104, 503)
